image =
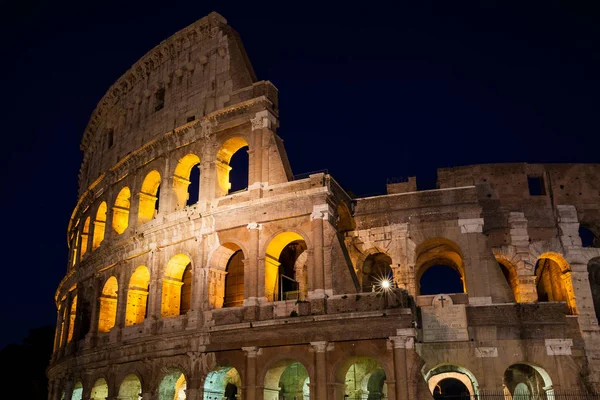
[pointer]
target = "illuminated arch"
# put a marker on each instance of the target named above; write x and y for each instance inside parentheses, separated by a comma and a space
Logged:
(99, 225)
(182, 179)
(121, 210)
(99, 390)
(77, 392)
(280, 263)
(362, 377)
(554, 281)
(450, 371)
(223, 383)
(72, 318)
(176, 286)
(84, 236)
(439, 253)
(509, 271)
(148, 197)
(287, 378)
(523, 377)
(227, 150)
(172, 386)
(137, 296)
(108, 305)
(130, 388)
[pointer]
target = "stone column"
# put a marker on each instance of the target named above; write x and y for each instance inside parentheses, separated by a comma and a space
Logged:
(250, 387)
(255, 153)
(207, 185)
(95, 309)
(320, 350)
(403, 342)
(473, 243)
(121, 303)
(320, 212)
(253, 284)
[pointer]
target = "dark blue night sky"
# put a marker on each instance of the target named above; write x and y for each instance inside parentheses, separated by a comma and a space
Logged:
(370, 93)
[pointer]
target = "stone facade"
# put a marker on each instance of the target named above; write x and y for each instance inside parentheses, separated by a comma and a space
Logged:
(291, 288)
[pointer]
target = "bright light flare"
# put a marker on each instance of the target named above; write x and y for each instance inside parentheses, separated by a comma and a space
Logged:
(386, 284)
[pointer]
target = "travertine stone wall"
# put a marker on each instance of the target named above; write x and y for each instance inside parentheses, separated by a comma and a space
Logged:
(482, 222)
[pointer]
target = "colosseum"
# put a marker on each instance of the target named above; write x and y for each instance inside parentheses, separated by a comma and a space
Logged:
(180, 287)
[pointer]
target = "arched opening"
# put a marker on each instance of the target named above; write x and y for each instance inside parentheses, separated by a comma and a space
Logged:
(587, 236)
(553, 281)
(227, 182)
(234, 281)
(448, 381)
(376, 269)
(345, 222)
(527, 381)
(99, 226)
(72, 318)
(172, 386)
(226, 276)
(108, 305)
(99, 390)
(364, 378)
(149, 195)
(223, 384)
(131, 388)
(510, 276)
(594, 279)
(84, 236)
(121, 211)
(440, 268)
(176, 296)
(77, 393)
(451, 389)
(74, 247)
(285, 268)
(287, 380)
(186, 181)
(137, 296)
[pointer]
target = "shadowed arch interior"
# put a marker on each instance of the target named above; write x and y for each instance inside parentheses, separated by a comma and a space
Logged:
(375, 269)
(523, 379)
(363, 378)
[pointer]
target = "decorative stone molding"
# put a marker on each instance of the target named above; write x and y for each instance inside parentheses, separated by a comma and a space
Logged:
(258, 185)
(404, 339)
(207, 127)
(471, 225)
(480, 301)
(321, 211)
(321, 347)
(254, 225)
(485, 352)
(252, 352)
(559, 347)
(263, 119)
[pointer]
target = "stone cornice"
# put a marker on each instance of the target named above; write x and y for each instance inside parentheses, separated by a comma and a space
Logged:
(160, 146)
(171, 48)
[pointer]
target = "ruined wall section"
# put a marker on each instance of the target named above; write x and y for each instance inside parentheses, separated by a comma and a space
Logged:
(504, 188)
(195, 72)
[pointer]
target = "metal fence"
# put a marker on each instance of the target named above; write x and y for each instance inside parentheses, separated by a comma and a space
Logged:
(499, 395)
